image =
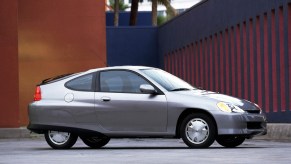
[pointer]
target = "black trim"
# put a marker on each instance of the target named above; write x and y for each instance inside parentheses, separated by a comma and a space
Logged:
(41, 129)
(97, 81)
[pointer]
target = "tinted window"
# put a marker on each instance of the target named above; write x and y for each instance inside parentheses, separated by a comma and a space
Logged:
(121, 82)
(83, 83)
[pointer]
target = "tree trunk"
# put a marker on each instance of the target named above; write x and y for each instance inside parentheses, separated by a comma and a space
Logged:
(170, 10)
(133, 12)
(116, 12)
(154, 12)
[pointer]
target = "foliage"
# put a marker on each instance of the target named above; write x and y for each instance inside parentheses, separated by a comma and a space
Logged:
(171, 12)
(161, 20)
(122, 6)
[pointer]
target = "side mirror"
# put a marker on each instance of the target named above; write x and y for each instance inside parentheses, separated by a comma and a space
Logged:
(146, 88)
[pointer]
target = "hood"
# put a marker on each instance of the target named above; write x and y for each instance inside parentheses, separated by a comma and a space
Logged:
(243, 104)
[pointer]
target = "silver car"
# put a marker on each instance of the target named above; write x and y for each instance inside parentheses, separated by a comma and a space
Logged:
(139, 102)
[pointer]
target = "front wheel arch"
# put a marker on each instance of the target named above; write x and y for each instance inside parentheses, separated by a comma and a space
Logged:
(187, 112)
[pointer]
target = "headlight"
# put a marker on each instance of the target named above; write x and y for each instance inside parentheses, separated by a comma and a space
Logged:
(257, 106)
(227, 107)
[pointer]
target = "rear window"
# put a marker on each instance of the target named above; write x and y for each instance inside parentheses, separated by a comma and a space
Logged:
(82, 83)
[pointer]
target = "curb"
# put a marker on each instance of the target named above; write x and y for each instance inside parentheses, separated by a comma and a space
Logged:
(276, 131)
(14, 133)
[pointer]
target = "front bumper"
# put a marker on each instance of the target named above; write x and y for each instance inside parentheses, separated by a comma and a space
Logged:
(246, 124)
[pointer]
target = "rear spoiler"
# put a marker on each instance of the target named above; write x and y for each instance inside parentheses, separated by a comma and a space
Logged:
(55, 78)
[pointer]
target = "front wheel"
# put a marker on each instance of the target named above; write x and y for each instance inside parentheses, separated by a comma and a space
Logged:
(60, 140)
(95, 142)
(198, 130)
(230, 141)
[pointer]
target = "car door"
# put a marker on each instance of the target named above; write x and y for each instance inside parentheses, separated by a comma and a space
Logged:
(121, 106)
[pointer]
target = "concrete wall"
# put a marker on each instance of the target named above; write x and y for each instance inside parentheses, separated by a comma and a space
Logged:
(132, 46)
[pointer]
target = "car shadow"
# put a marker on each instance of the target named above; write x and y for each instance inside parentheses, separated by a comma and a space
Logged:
(154, 148)
(168, 148)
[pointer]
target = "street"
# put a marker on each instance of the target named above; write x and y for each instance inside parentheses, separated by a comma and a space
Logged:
(35, 150)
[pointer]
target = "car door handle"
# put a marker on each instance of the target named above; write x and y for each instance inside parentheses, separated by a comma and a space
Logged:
(105, 99)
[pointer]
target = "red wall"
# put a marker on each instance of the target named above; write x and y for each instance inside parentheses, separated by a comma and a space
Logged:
(9, 116)
(46, 38)
(57, 37)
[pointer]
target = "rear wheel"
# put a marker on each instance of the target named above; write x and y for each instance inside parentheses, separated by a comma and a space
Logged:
(198, 130)
(95, 142)
(60, 140)
(230, 141)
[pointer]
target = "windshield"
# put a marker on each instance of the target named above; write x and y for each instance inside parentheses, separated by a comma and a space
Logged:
(167, 80)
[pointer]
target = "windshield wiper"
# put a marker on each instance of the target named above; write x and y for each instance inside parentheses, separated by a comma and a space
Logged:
(180, 89)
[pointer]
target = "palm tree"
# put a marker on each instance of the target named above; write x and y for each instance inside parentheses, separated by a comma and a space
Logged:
(133, 12)
(170, 10)
(116, 12)
(154, 12)
(122, 6)
(134, 9)
(117, 6)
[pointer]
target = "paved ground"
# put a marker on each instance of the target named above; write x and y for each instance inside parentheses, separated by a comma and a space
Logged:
(35, 150)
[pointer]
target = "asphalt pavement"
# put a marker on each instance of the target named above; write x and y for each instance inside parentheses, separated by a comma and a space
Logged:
(36, 151)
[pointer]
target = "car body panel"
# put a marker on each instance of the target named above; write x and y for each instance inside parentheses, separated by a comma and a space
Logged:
(132, 112)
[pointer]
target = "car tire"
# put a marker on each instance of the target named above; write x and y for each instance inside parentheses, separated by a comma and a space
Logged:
(230, 141)
(95, 142)
(60, 140)
(198, 130)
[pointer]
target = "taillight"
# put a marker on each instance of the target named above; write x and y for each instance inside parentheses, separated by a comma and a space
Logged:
(37, 94)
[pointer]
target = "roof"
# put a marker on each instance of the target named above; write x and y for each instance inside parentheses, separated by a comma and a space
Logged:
(120, 67)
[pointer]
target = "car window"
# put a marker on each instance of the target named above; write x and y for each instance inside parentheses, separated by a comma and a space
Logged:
(120, 82)
(83, 83)
(167, 80)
